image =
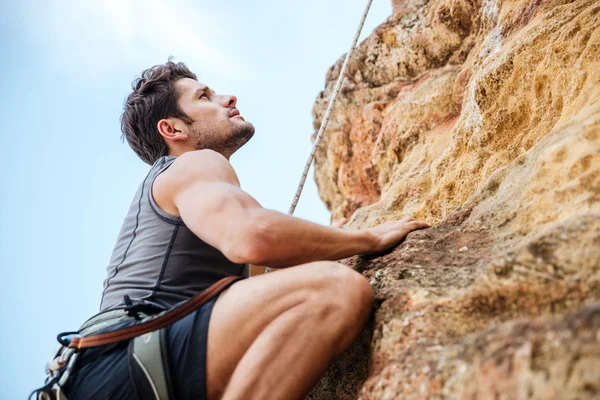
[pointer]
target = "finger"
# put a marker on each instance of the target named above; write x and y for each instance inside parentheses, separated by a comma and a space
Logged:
(339, 222)
(419, 225)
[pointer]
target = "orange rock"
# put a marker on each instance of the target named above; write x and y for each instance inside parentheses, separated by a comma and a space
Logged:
(482, 118)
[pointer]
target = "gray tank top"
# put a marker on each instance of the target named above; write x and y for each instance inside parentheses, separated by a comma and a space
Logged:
(157, 260)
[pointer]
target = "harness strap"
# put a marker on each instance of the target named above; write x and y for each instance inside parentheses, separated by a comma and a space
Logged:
(154, 322)
(149, 360)
(149, 366)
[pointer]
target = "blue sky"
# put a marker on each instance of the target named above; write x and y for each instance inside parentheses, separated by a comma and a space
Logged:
(68, 179)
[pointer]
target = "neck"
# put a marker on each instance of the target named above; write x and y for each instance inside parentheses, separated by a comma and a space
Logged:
(178, 152)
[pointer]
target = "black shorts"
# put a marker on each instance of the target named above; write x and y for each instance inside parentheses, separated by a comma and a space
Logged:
(107, 377)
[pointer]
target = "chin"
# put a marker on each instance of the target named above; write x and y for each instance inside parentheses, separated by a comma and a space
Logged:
(241, 134)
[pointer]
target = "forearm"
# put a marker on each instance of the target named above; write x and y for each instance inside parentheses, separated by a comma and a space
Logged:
(283, 240)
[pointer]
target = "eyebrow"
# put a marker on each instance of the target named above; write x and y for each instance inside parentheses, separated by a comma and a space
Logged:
(200, 89)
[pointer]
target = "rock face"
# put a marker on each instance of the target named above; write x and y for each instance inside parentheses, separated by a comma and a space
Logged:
(483, 119)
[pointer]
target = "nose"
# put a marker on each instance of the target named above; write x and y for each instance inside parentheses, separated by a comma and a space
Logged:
(230, 101)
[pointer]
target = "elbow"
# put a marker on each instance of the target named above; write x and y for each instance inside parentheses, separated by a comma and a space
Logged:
(251, 246)
(245, 253)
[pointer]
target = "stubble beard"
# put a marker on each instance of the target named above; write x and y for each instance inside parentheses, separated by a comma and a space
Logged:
(238, 134)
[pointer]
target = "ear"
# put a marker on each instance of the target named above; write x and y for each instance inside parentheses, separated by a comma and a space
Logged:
(170, 129)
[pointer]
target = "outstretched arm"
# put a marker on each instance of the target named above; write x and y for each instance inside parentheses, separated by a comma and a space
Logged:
(206, 192)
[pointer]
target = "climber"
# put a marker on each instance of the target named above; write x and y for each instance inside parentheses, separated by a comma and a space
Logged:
(190, 224)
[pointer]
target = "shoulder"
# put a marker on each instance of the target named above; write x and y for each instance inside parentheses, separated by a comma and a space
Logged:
(188, 169)
(201, 165)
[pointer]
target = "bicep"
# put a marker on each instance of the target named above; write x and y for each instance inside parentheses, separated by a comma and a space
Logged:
(219, 213)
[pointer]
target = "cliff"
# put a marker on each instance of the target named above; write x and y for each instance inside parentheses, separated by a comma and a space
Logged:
(483, 119)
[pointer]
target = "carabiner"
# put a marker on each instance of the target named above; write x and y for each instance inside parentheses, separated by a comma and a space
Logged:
(68, 370)
(62, 359)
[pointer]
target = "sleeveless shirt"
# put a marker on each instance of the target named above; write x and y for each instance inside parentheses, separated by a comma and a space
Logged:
(157, 260)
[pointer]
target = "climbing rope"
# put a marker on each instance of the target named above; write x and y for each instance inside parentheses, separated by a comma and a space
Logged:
(336, 90)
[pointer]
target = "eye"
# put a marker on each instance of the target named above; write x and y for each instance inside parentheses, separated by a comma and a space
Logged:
(203, 95)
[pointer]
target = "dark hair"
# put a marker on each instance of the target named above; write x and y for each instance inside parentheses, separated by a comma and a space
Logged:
(154, 97)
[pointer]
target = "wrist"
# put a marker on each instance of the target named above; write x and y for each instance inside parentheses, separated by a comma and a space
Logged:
(370, 242)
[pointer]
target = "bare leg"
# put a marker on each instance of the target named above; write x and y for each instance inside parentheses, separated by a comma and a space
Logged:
(306, 327)
(289, 357)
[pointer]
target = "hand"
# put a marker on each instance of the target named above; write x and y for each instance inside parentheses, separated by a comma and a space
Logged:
(391, 233)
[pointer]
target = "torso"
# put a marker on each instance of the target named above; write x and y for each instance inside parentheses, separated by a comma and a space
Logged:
(157, 259)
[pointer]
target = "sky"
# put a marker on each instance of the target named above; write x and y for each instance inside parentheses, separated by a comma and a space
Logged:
(68, 179)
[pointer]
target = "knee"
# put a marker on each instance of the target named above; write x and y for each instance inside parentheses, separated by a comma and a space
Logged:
(348, 287)
(360, 289)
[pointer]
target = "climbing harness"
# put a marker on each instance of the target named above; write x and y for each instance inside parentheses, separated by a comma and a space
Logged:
(336, 90)
(147, 352)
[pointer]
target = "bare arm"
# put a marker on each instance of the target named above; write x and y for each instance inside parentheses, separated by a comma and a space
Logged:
(286, 240)
(205, 190)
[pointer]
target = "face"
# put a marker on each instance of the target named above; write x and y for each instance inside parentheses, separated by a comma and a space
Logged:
(218, 125)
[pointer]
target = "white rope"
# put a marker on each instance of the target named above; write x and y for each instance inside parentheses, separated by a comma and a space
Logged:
(336, 90)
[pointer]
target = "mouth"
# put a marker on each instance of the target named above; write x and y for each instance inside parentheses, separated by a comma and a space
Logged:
(235, 113)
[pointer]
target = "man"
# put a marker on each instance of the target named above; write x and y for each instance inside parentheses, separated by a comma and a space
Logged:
(190, 224)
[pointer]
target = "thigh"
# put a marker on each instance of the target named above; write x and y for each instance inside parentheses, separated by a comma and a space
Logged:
(242, 312)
